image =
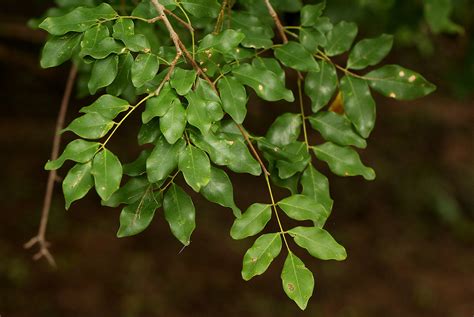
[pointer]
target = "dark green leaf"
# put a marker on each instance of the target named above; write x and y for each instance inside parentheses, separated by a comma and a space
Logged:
(197, 114)
(163, 160)
(320, 87)
(123, 28)
(107, 172)
(400, 83)
(258, 258)
(343, 161)
(224, 42)
(90, 126)
(437, 14)
(149, 132)
(59, 49)
(158, 106)
(316, 185)
(195, 166)
(297, 280)
(180, 213)
(294, 55)
(173, 123)
(310, 13)
(301, 207)
(102, 48)
(77, 182)
(78, 151)
(300, 160)
(285, 129)
(336, 128)
(144, 68)
(103, 73)
(182, 80)
(201, 8)
(340, 38)
(234, 98)
(252, 221)
(122, 80)
(138, 166)
(370, 52)
(319, 243)
(107, 106)
(128, 194)
(219, 190)
(358, 104)
(311, 39)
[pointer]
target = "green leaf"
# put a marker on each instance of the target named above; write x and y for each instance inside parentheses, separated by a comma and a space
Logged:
(234, 98)
(224, 42)
(163, 159)
(180, 213)
(370, 52)
(257, 34)
(196, 168)
(138, 166)
(144, 68)
(340, 38)
(128, 194)
(213, 106)
(103, 73)
(294, 55)
(358, 104)
(137, 43)
(258, 258)
(252, 221)
(336, 128)
(173, 123)
(77, 182)
(59, 49)
(137, 217)
(228, 150)
(398, 82)
(158, 106)
(107, 106)
(197, 114)
(201, 8)
(310, 13)
(320, 87)
(265, 83)
(107, 172)
(270, 64)
(182, 80)
(343, 161)
(297, 280)
(149, 132)
(311, 39)
(123, 28)
(80, 151)
(285, 129)
(102, 48)
(300, 160)
(122, 80)
(90, 126)
(219, 190)
(319, 243)
(78, 20)
(437, 14)
(316, 185)
(301, 207)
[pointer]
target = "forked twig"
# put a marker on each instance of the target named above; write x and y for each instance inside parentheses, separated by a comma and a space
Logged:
(40, 238)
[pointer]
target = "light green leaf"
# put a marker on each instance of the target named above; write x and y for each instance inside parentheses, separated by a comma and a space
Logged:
(128, 194)
(180, 213)
(252, 221)
(301, 207)
(107, 106)
(294, 55)
(340, 38)
(336, 128)
(258, 258)
(92, 37)
(343, 161)
(224, 42)
(234, 98)
(316, 185)
(197, 114)
(123, 28)
(320, 87)
(400, 83)
(219, 190)
(212, 101)
(266, 84)
(196, 168)
(107, 172)
(201, 8)
(144, 68)
(182, 80)
(158, 106)
(370, 52)
(285, 129)
(137, 217)
(77, 182)
(297, 280)
(103, 48)
(78, 20)
(270, 64)
(90, 126)
(103, 73)
(257, 33)
(311, 39)
(173, 123)
(122, 80)
(137, 43)
(319, 243)
(358, 104)
(310, 13)
(163, 159)
(437, 14)
(59, 49)
(79, 150)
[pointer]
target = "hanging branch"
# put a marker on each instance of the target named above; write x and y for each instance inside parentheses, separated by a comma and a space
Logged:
(40, 238)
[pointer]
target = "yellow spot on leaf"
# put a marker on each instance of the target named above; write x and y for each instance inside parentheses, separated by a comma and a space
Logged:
(401, 73)
(412, 78)
(392, 95)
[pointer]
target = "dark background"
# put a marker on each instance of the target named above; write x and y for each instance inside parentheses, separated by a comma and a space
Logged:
(409, 234)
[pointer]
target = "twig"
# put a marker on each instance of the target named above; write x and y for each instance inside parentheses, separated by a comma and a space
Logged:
(177, 18)
(252, 148)
(220, 18)
(40, 238)
(277, 21)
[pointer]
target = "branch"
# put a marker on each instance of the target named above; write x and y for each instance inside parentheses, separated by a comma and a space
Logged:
(277, 21)
(177, 18)
(40, 238)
